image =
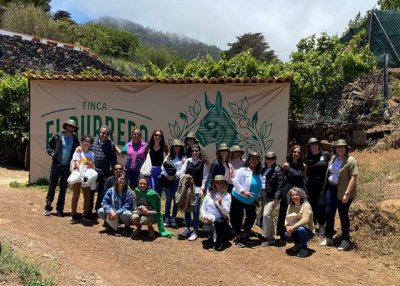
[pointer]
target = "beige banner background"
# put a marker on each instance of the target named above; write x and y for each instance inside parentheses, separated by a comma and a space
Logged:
(253, 115)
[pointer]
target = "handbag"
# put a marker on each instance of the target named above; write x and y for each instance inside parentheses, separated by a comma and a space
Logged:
(146, 167)
(74, 178)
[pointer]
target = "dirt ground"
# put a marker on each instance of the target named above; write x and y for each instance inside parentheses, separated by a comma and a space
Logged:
(77, 254)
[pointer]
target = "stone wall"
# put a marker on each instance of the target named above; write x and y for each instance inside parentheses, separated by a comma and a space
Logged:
(18, 54)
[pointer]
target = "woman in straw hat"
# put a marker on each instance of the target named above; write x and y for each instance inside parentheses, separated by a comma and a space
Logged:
(339, 192)
(221, 165)
(215, 211)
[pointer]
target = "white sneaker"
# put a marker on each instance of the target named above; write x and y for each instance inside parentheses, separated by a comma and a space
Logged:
(193, 237)
(47, 213)
(327, 242)
(166, 221)
(173, 222)
(344, 245)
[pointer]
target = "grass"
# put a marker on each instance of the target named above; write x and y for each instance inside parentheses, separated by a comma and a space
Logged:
(11, 265)
(17, 185)
(374, 215)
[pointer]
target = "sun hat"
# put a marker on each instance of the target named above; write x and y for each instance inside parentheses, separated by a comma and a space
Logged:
(313, 140)
(223, 147)
(176, 142)
(340, 143)
(189, 136)
(219, 178)
(254, 153)
(236, 148)
(270, 155)
(72, 123)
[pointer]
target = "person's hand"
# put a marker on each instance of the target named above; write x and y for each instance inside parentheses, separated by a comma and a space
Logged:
(247, 194)
(289, 230)
(201, 193)
(78, 149)
(143, 210)
(345, 198)
(112, 215)
(274, 204)
(219, 199)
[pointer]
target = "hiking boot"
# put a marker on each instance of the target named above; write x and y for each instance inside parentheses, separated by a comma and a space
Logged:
(327, 242)
(173, 222)
(218, 246)
(60, 213)
(295, 248)
(47, 212)
(193, 237)
(344, 245)
(75, 218)
(166, 221)
(185, 233)
(269, 242)
(302, 253)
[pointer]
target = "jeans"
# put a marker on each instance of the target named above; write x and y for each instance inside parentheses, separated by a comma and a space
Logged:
(132, 177)
(331, 204)
(153, 180)
(170, 198)
(236, 214)
(268, 221)
(57, 172)
(124, 217)
(301, 236)
(196, 215)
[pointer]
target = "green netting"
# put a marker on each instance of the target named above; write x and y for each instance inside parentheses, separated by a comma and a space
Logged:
(383, 35)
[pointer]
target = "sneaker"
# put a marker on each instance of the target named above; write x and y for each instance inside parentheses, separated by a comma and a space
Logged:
(173, 222)
(185, 233)
(166, 221)
(47, 213)
(344, 245)
(321, 231)
(87, 218)
(302, 253)
(193, 237)
(327, 242)
(218, 246)
(295, 248)
(269, 242)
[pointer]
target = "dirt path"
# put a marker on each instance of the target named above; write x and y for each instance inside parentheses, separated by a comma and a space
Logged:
(74, 254)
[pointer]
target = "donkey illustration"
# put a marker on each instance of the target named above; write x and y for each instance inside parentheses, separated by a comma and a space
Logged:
(216, 126)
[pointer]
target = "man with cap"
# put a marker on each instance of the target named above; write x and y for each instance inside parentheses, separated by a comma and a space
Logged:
(61, 147)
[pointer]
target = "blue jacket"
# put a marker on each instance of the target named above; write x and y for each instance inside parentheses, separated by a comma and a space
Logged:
(120, 203)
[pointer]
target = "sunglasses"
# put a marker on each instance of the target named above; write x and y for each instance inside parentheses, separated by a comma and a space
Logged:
(105, 133)
(219, 182)
(269, 158)
(195, 151)
(190, 138)
(157, 135)
(118, 169)
(136, 134)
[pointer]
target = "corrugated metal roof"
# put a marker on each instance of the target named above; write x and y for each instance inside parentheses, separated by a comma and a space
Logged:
(212, 80)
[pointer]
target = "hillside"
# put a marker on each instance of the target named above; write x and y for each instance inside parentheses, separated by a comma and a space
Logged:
(183, 46)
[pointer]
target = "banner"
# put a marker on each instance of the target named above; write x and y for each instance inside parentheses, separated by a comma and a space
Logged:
(252, 115)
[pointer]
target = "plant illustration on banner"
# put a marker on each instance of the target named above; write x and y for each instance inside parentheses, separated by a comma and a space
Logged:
(218, 125)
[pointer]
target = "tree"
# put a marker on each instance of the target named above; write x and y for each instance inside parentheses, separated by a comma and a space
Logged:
(63, 15)
(260, 49)
(42, 4)
(389, 4)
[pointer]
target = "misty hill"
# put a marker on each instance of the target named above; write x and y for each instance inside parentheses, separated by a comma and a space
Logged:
(183, 46)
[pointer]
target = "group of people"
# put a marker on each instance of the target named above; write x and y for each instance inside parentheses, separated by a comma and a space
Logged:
(220, 197)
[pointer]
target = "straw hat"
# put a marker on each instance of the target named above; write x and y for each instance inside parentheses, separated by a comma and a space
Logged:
(223, 147)
(72, 123)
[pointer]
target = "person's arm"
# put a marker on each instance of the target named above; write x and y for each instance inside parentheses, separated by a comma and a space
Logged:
(124, 149)
(113, 154)
(280, 177)
(204, 180)
(127, 206)
(352, 172)
(51, 145)
(107, 202)
(307, 211)
(211, 174)
(226, 204)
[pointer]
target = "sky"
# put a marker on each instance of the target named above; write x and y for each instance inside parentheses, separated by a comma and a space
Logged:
(218, 22)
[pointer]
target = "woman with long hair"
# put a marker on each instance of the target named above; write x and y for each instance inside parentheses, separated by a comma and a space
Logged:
(247, 187)
(220, 166)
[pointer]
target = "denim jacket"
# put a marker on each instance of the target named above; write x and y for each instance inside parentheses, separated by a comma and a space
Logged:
(120, 203)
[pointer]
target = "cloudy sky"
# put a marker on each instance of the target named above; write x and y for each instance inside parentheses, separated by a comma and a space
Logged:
(218, 22)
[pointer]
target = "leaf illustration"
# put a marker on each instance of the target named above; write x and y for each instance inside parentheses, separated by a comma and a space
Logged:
(242, 143)
(172, 129)
(240, 136)
(235, 115)
(263, 129)
(183, 116)
(234, 107)
(268, 144)
(177, 130)
(254, 137)
(197, 107)
(245, 105)
(268, 130)
(191, 111)
(254, 120)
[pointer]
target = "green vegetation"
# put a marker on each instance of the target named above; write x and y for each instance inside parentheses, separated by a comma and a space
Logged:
(13, 265)
(17, 185)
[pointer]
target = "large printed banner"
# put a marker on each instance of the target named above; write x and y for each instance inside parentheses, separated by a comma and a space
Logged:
(254, 116)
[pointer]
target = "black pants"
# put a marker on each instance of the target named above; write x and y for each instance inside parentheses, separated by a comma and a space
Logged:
(100, 193)
(222, 229)
(316, 200)
(236, 213)
(57, 173)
